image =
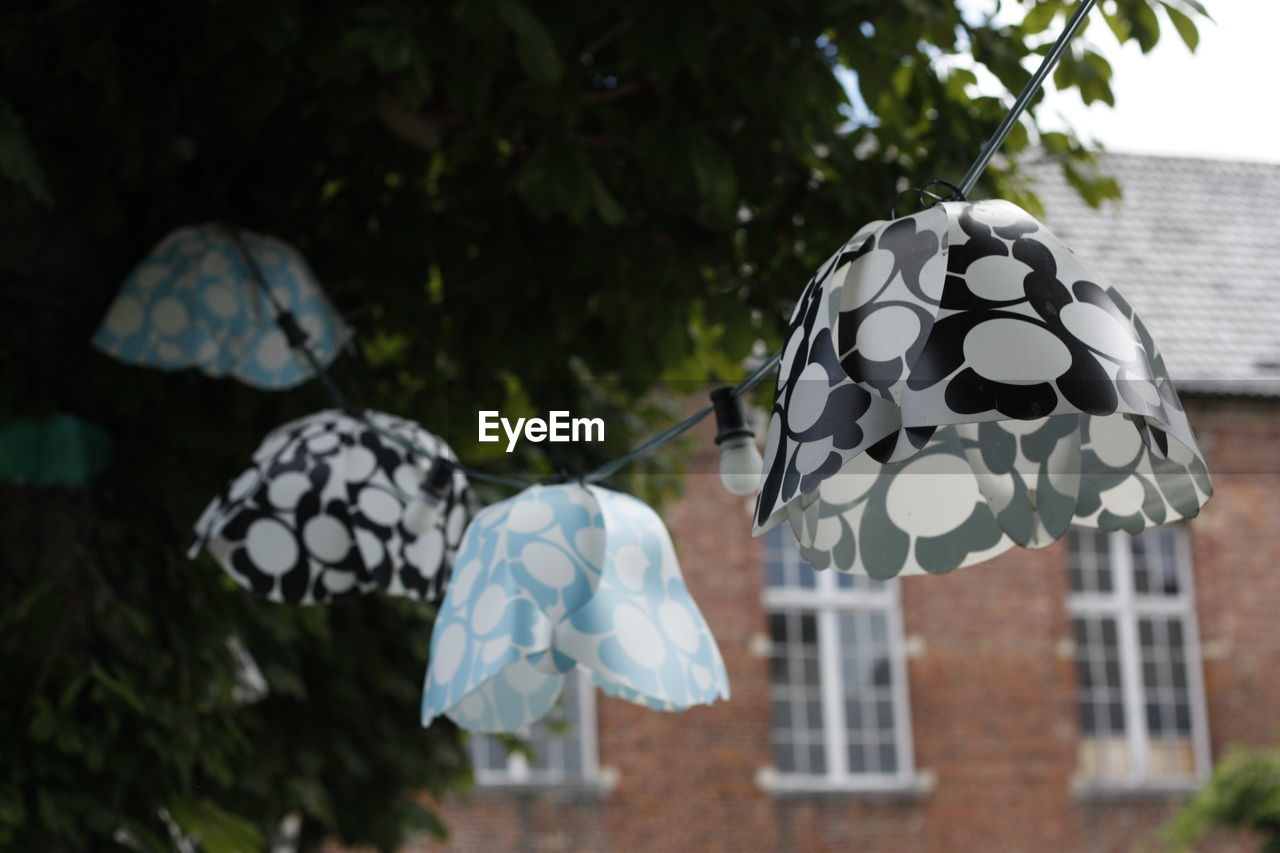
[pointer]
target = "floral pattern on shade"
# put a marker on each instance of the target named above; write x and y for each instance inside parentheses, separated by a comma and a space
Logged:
(1010, 368)
(319, 513)
(193, 303)
(558, 577)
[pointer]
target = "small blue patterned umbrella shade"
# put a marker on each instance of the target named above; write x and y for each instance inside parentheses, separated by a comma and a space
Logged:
(558, 577)
(320, 512)
(957, 382)
(193, 303)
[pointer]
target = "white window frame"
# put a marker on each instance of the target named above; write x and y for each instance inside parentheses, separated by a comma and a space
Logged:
(827, 600)
(1127, 608)
(518, 772)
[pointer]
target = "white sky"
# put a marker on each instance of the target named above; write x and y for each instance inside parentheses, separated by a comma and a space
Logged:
(1223, 101)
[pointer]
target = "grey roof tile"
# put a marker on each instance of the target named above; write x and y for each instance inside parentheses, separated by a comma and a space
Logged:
(1192, 245)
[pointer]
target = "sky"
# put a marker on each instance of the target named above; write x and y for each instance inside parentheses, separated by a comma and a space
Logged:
(1222, 101)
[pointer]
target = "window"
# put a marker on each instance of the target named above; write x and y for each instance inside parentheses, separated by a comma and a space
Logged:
(838, 675)
(562, 745)
(1139, 694)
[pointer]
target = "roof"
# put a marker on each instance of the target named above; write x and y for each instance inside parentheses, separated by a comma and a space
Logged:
(1192, 247)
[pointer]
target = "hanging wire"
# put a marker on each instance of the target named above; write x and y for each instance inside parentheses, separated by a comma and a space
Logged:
(924, 193)
(297, 337)
(1028, 92)
(672, 433)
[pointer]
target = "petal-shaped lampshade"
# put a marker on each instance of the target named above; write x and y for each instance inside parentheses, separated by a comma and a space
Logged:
(320, 513)
(193, 303)
(956, 382)
(564, 576)
(64, 450)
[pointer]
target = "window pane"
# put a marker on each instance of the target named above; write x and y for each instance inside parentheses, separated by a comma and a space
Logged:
(784, 567)
(857, 710)
(888, 758)
(1099, 696)
(784, 756)
(857, 758)
(847, 580)
(1088, 561)
(1168, 700)
(557, 737)
(870, 724)
(554, 743)
(817, 759)
(1141, 575)
(488, 753)
(1155, 562)
(798, 725)
(1154, 649)
(879, 625)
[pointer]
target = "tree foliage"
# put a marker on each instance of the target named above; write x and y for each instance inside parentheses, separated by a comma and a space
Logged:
(1243, 794)
(518, 206)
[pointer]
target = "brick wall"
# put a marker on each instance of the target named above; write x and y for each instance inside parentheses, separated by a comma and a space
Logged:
(991, 697)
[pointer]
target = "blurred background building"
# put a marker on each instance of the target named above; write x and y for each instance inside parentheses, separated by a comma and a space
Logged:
(1065, 699)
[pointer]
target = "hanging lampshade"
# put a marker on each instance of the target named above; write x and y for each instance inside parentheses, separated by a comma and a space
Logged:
(558, 577)
(63, 450)
(956, 382)
(325, 510)
(194, 302)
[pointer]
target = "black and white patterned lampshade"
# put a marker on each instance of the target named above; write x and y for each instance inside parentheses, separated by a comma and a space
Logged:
(956, 382)
(320, 512)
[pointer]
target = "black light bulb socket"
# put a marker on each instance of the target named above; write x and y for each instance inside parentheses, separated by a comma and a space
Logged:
(439, 476)
(293, 331)
(731, 417)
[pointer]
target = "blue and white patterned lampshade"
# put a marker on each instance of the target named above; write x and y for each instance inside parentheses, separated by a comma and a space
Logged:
(558, 577)
(957, 382)
(320, 513)
(193, 303)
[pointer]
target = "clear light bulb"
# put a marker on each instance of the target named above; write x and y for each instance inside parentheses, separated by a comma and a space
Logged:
(740, 462)
(740, 465)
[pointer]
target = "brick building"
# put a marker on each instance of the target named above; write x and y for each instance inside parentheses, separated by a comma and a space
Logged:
(1064, 699)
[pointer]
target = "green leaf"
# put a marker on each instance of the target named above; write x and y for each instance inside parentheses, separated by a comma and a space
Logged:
(43, 722)
(423, 819)
(18, 160)
(714, 175)
(117, 687)
(1040, 16)
(558, 178)
(611, 213)
(958, 82)
(1095, 79)
(533, 43)
(1119, 25)
(1184, 25)
(1198, 7)
(1146, 27)
(216, 830)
